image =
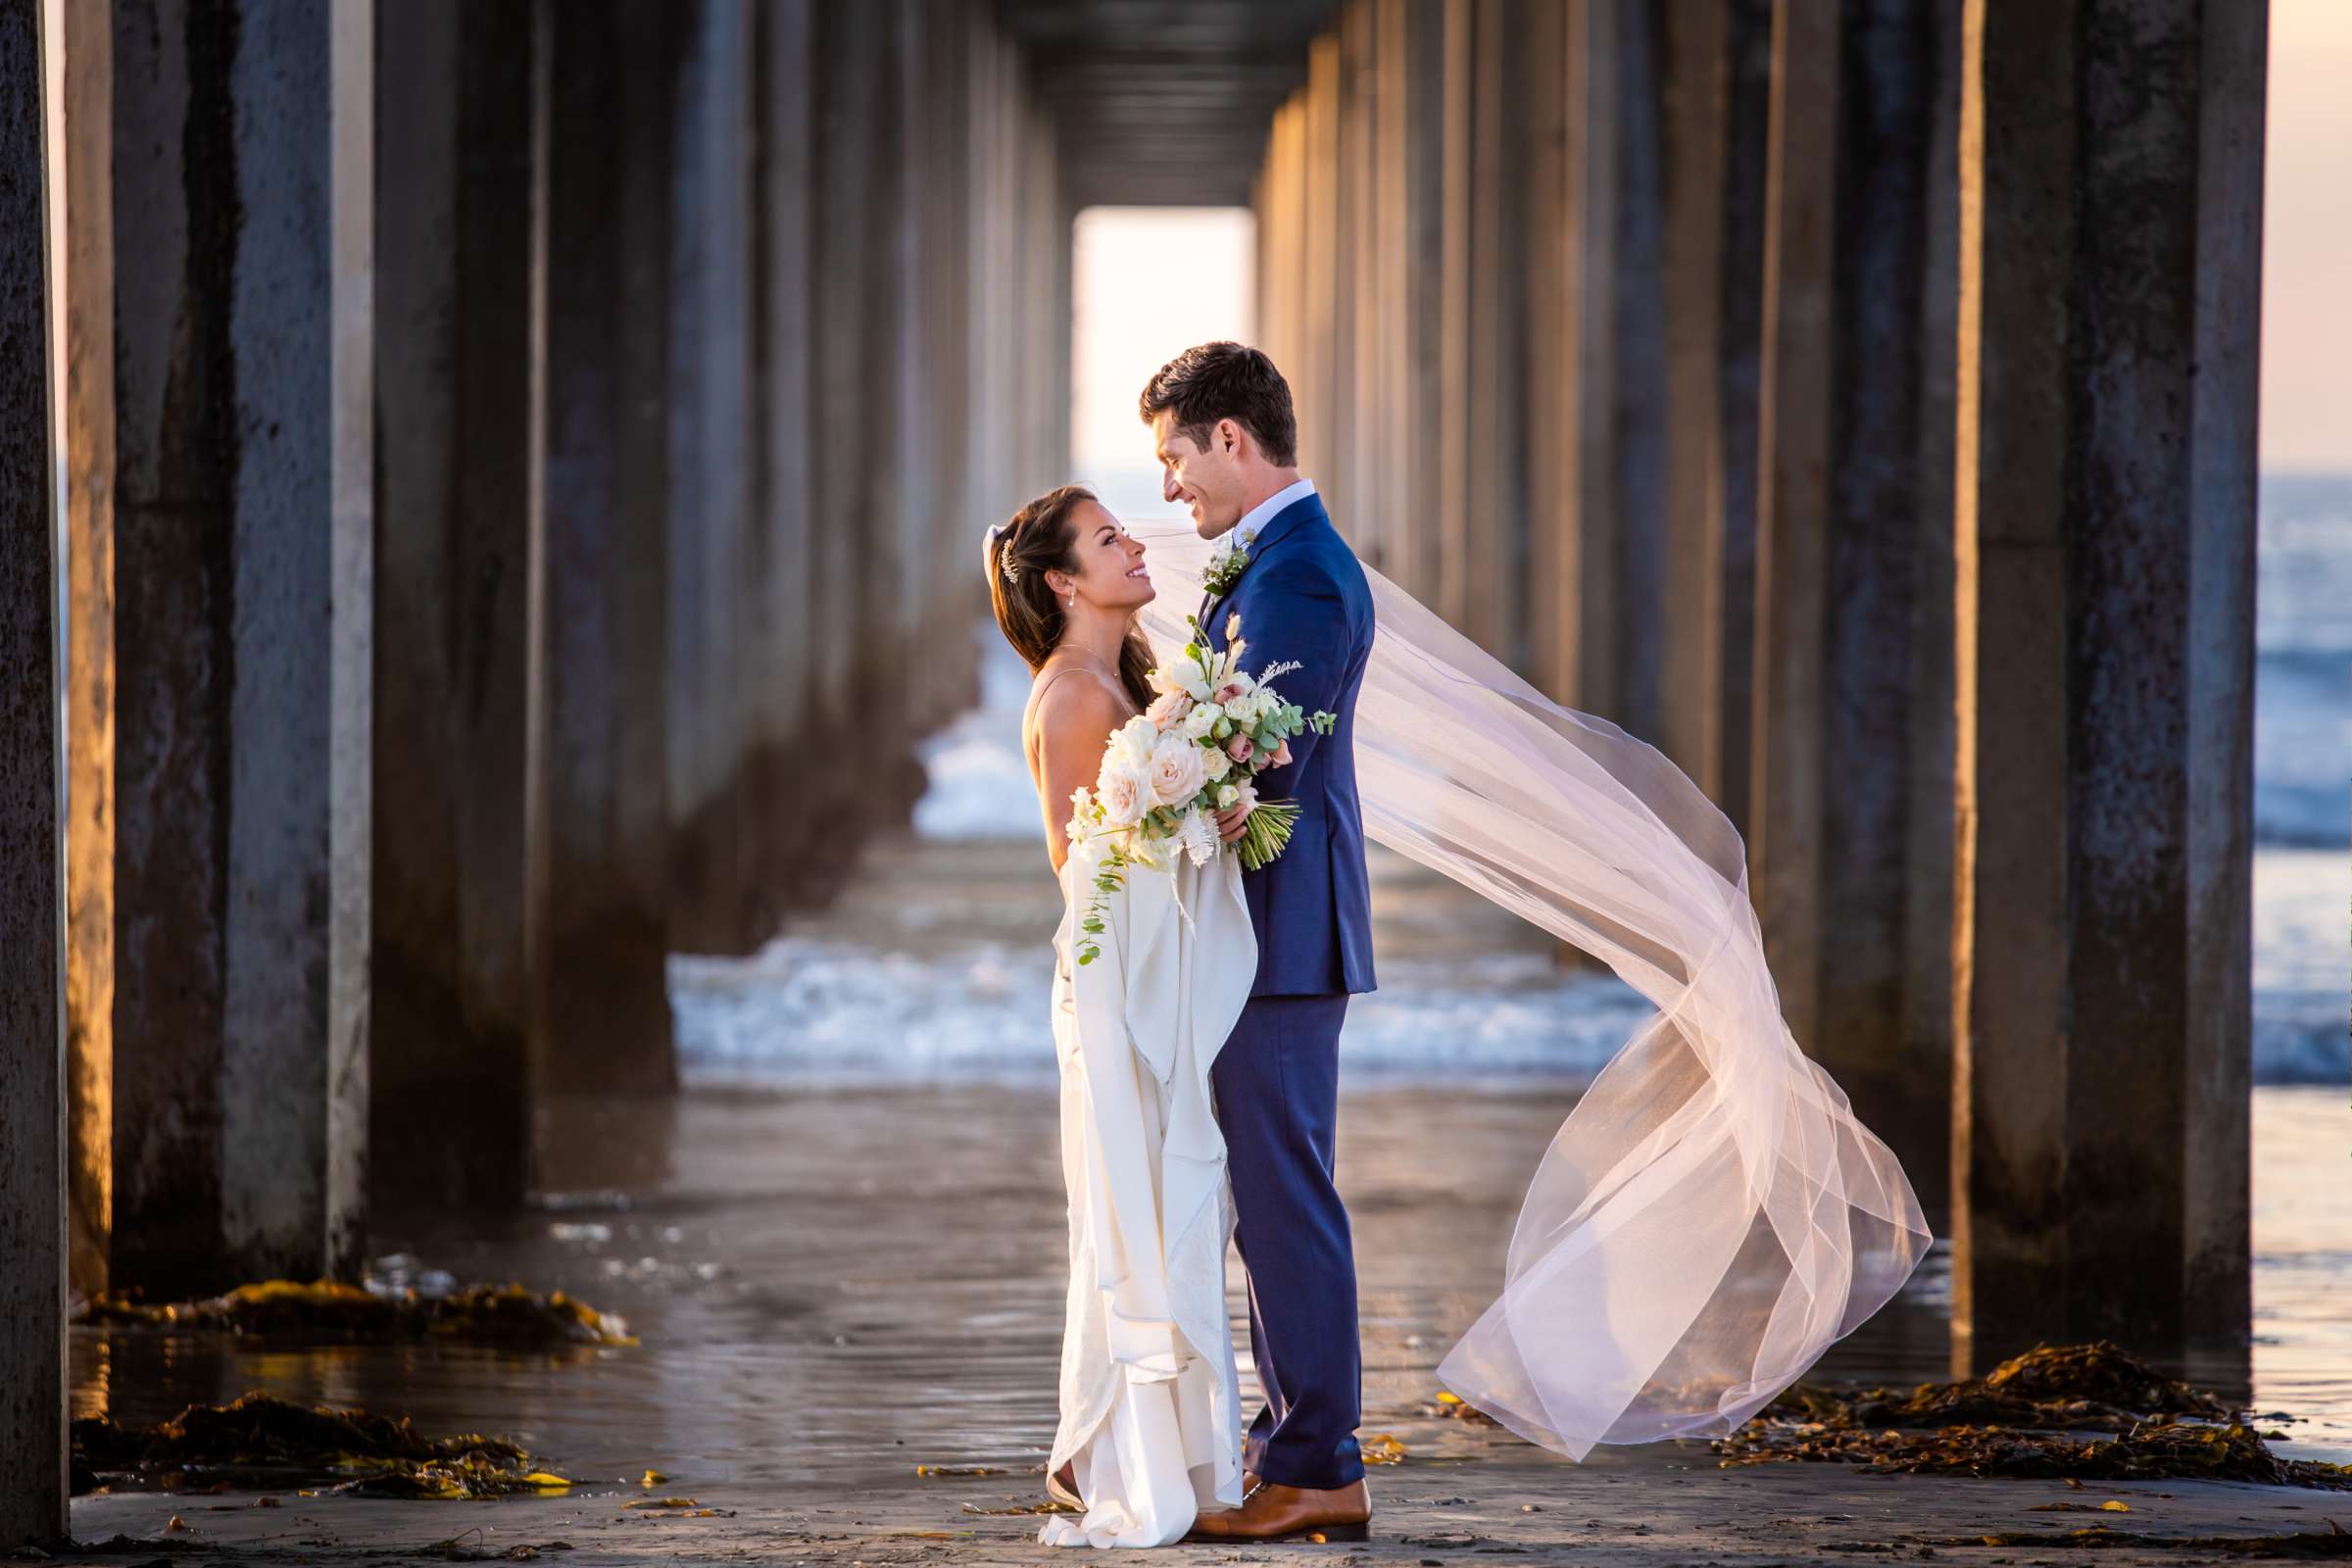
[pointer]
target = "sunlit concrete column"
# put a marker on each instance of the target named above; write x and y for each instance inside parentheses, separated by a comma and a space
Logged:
(1889, 515)
(1845, 523)
(33, 1041)
(2109, 295)
(1929, 826)
(1054, 456)
(599, 822)
(1715, 68)
(1449, 589)
(1281, 238)
(1385, 319)
(1413, 80)
(243, 240)
(459, 270)
(86, 158)
(1313, 379)
(1356, 325)
(1494, 488)
(1552, 338)
(1793, 504)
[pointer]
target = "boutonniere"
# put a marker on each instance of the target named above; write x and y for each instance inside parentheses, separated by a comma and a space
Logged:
(1224, 572)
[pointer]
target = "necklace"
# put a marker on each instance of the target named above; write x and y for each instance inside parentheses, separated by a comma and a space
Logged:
(1083, 655)
(1095, 663)
(1087, 661)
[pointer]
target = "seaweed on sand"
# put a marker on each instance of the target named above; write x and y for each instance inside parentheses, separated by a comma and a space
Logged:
(2332, 1541)
(328, 1310)
(2031, 1416)
(258, 1440)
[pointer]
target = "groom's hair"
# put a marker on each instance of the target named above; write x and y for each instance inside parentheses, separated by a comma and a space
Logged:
(1226, 381)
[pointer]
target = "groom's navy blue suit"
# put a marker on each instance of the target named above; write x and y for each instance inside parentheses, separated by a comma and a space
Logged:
(1303, 597)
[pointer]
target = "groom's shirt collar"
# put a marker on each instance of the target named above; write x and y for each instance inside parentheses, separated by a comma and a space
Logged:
(1244, 533)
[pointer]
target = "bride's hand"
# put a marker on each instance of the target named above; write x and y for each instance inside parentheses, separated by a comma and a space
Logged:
(1230, 819)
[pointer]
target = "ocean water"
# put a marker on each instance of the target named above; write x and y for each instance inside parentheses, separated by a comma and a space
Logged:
(2303, 782)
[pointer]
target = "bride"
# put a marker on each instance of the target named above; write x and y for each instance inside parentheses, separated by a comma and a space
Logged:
(1150, 1429)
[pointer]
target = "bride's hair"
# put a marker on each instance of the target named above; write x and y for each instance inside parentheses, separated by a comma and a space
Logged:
(1039, 540)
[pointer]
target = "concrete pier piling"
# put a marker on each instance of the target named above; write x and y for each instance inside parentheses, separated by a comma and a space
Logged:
(459, 377)
(84, 158)
(33, 1038)
(2110, 275)
(1850, 514)
(716, 637)
(783, 311)
(1715, 91)
(243, 245)
(598, 818)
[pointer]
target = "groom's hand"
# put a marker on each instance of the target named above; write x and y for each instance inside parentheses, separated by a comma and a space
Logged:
(1229, 822)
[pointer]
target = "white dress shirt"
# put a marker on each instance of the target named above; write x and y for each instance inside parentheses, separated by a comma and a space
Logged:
(1244, 533)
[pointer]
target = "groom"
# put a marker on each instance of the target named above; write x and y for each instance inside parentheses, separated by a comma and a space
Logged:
(1226, 439)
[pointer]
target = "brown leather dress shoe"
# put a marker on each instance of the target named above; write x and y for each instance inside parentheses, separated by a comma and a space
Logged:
(1274, 1512)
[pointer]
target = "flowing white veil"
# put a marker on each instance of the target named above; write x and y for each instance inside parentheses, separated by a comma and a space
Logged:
(1711, 1216)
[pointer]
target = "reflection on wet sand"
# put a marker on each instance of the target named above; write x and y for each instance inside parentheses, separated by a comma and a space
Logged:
(830, 1287)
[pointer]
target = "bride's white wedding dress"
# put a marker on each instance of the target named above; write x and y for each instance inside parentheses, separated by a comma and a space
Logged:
(1151, 1421)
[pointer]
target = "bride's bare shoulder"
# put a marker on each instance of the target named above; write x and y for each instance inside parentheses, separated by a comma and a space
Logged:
(1084, 702)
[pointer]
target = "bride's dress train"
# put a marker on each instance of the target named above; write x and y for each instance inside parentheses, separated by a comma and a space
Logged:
(1151, 1421)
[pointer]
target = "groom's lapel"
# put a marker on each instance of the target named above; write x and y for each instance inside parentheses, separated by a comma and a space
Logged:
(1278, 527)
(1289, 520)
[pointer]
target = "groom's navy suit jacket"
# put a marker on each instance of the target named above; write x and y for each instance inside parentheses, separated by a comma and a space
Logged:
(1303, 597)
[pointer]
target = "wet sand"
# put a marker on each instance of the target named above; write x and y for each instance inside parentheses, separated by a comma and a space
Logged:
(835, 1288)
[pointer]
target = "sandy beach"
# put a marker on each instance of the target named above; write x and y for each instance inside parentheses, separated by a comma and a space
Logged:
(841, 1249)
(833, 1288)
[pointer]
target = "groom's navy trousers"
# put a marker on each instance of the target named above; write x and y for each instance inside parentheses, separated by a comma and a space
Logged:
(1303, 597)
(1277, 1084)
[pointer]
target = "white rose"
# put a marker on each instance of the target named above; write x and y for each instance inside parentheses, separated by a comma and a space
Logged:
(1191, 678)
(1199, 720)
(1167, 710)
(1178, 769)
(1123, 794)
(1215, 764)
(1227, 794)
(1131, 743)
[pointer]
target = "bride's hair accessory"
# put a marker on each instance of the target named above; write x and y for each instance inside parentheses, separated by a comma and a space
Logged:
(1011, 570)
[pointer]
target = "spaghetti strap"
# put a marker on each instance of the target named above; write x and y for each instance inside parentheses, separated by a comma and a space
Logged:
(1037, 693)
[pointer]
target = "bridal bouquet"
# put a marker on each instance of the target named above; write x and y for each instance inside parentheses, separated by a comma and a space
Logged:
(1194, 753)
